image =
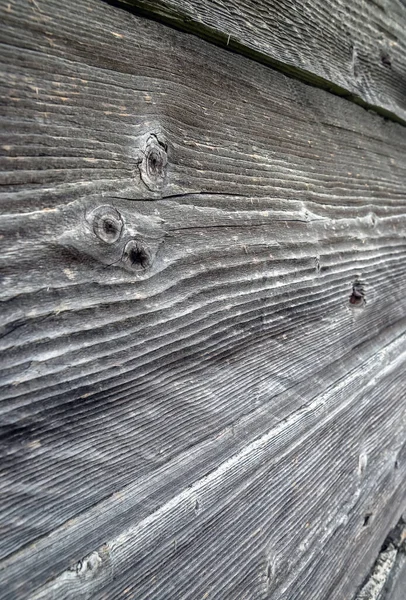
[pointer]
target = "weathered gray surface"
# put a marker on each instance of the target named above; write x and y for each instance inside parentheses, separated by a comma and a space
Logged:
(353, 47)
(397, 587)
(189, 398)
(387, 580)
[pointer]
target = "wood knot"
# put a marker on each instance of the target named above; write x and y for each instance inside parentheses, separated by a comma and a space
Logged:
(107, 224)
(136, 256)
(88, 567)
(153, 168)
(115, 236)
(386, 60)
(357, 297)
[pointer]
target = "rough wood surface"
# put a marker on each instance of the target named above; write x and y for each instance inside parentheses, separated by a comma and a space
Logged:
(203, 319)
(355, 48)
(397, 586)
(388, 576)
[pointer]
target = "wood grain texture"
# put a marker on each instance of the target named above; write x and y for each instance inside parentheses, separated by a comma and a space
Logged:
(387, 578)
(203, 319)
(397, 586)
(355, 48)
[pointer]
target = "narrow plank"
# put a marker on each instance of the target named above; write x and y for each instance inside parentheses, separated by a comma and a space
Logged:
(260, 208)
(355, 48)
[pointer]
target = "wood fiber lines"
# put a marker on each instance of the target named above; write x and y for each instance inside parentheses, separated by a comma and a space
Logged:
(355, 48)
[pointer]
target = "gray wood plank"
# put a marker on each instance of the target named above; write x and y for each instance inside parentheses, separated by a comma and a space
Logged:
(203, 295)
(355, 48)
(255, 527)
(386, 581)
(398, 583)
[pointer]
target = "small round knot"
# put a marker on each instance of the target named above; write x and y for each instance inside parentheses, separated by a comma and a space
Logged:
(107, 224)
(136, 255)
(153, 166)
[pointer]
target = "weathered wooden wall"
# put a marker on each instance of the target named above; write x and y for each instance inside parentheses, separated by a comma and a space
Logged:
(356, 48)
(203, 315)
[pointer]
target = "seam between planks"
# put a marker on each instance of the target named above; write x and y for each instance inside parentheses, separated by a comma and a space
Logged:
(225, 42)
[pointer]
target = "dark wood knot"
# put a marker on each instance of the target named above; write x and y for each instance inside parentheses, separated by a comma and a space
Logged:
(357, 297)
(136, 255)
(386, 59)
(116, 236)
(153, 167)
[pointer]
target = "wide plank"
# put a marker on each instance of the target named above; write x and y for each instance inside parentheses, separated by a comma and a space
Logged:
(203, 268)
(355, 48)
(325, 478)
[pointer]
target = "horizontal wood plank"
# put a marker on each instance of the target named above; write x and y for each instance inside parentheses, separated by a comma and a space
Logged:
(386, 581)
(203, 287)
(397, 585)
(243, 506)
(355, 48)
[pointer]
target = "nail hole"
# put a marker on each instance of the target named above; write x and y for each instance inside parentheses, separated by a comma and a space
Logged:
(357, 297)
(396, 464)
(136, 255)
(367, 519)
(197, 506)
